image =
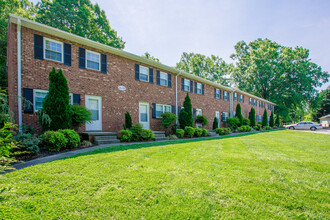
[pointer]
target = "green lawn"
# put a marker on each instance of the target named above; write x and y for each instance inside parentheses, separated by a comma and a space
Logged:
(279, 174)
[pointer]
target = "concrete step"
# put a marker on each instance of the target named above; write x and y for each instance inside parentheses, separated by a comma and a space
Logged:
(110, 141)
(160, 135)
(102, 138)
(158, 132)
(161, 139)
(213, 133)
(100, 133)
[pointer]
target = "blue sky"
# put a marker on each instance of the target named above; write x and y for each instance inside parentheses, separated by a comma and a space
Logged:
(167, 28)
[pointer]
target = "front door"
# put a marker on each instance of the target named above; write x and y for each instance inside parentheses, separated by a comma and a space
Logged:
(217, 115)
(144, 115)
(94, 105)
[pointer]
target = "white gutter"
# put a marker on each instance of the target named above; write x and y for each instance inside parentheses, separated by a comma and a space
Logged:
(176, 97)
(19, 75)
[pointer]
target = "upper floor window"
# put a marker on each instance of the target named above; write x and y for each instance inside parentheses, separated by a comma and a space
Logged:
(199, 88)
(163, 78)
(254, 102)
(235, 96)
(53, 50)
(144, 73)
(186, 85)
(217, 93)
(93, 60)
(250, 101)
(241, 98)
(160, 109)
(225, 95)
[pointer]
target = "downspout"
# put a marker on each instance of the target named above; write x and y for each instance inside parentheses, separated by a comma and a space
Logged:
(176, 97)
(231, 95)
(19, 75)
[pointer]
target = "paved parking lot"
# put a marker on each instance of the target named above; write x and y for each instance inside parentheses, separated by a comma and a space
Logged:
(321, 131)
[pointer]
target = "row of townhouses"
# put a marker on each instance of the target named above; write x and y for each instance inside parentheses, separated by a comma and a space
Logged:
(110, 82)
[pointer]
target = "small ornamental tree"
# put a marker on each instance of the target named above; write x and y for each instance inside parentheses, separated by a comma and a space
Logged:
(128, 121)
(265, 119)
(239, 114)
(185, 115)
(271, 120)
(215, 123)
(252, 117)
(277, 121)
(57, 103)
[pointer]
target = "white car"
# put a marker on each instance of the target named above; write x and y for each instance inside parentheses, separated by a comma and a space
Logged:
(304, 125)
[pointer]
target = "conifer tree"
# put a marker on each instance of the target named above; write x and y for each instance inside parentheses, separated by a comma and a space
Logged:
(265, 119)
(239, 114)
(185, 115)
(128, 121)
(252, 117)
(215, 123)
(277, 121)
(271, 120)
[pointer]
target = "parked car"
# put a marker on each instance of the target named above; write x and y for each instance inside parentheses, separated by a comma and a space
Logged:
(304, 125)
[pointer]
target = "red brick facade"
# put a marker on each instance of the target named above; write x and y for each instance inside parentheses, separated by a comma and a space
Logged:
(120, 72)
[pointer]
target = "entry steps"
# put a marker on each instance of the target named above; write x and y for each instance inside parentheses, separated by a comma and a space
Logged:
(103, 137)
(160, 136)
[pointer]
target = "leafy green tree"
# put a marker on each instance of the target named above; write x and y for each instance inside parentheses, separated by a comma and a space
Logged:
(22, 8)
(271, 120)
(212, 68)
(78, 17)
(57, 103)
(278, 73)
(239, 114)
(148, 56)
(277, 121)
(128, 121)
(324, 108)
(265, 119)
(215, 123)
(185, 115)
(252, 117)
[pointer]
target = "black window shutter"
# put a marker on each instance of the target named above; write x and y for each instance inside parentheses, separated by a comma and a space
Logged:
(194, 113)
(173, 109)
(151, 75)
(195, 87)
(38, 47)
(82, 58)
(191, 86)
(76, 99)
(103, 63)
(220, 93)
(179, 109)
(153, 110)
(203, 87)
(215, 93)
(158, 77)
(169, 78)
(182, 84)
(137, 72)
(67, 54)
(224, 98)
(28, 95)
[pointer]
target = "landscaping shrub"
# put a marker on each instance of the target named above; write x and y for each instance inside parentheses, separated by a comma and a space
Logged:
(259, 127)
(125, 135)
(277, 121)
(252, 117)
(233, 123)
(85, 144)
(198, 132)
(80, 115)
(204, 132)
(215, 123)
(179, 133)
(173, 137)
(72, 137)
(202, 120)
(271, 120)
(136, 132)
(248, 128)
(266, 128)
(227, 131)
(7, 144)
(185, 115)
(168, 120)
(189, 131)
(54, 140)
(128, 121)
(240, 129)
(265, 119)
(28, 129)
(246, 121)
(147, 135)
(57, 103)
(28, 142)
(239, 114)
(256, 128)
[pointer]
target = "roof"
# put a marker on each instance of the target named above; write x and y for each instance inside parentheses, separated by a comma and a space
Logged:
(325, 116)
(102, 47)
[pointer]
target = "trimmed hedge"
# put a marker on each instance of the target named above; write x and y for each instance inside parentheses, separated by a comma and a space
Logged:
(125, 135)
(205, 132)
(179, 133)
(189, 131)
(198, 132)
(54, 140)
(72, 137)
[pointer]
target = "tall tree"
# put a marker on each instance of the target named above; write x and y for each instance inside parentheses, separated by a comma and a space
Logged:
(19, 7)
(252, 117)
(148, 56)
(271, 120)
(324, 108)
(212, 68)
(185, 115)
(265, 119)
(79, 17)
(238, 114)
(278, 73)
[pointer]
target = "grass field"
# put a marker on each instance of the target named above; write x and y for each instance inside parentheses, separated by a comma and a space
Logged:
(279, 174)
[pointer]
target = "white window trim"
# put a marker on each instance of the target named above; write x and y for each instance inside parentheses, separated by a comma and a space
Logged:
(143, 74)
(199, 110)
(56, 41)
(184, 85)
(217, 93)
(160, 73)
(46, 91)
(199, 84)
(96, 53)
(163, 109)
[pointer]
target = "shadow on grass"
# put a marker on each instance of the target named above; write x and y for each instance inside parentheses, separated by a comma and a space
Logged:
(170, 142)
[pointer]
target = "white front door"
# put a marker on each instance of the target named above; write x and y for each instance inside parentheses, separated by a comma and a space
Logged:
(144, 115)
(94, 105)
(217, 115)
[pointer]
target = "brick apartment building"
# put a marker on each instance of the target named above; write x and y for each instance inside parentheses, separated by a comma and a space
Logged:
(109, 81)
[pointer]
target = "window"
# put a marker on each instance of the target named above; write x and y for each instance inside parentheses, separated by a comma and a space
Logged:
(241, 99)
(254, 102)
(199, 88)
(93, 60)
(186, 85)
(160, 109)
(235, 96)
(39, 96)
(225, 95)
(163, 79)
(198, 112)
(224, 116)
(53, 50)
(144, 73)
(217, 93)
(250, 101)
